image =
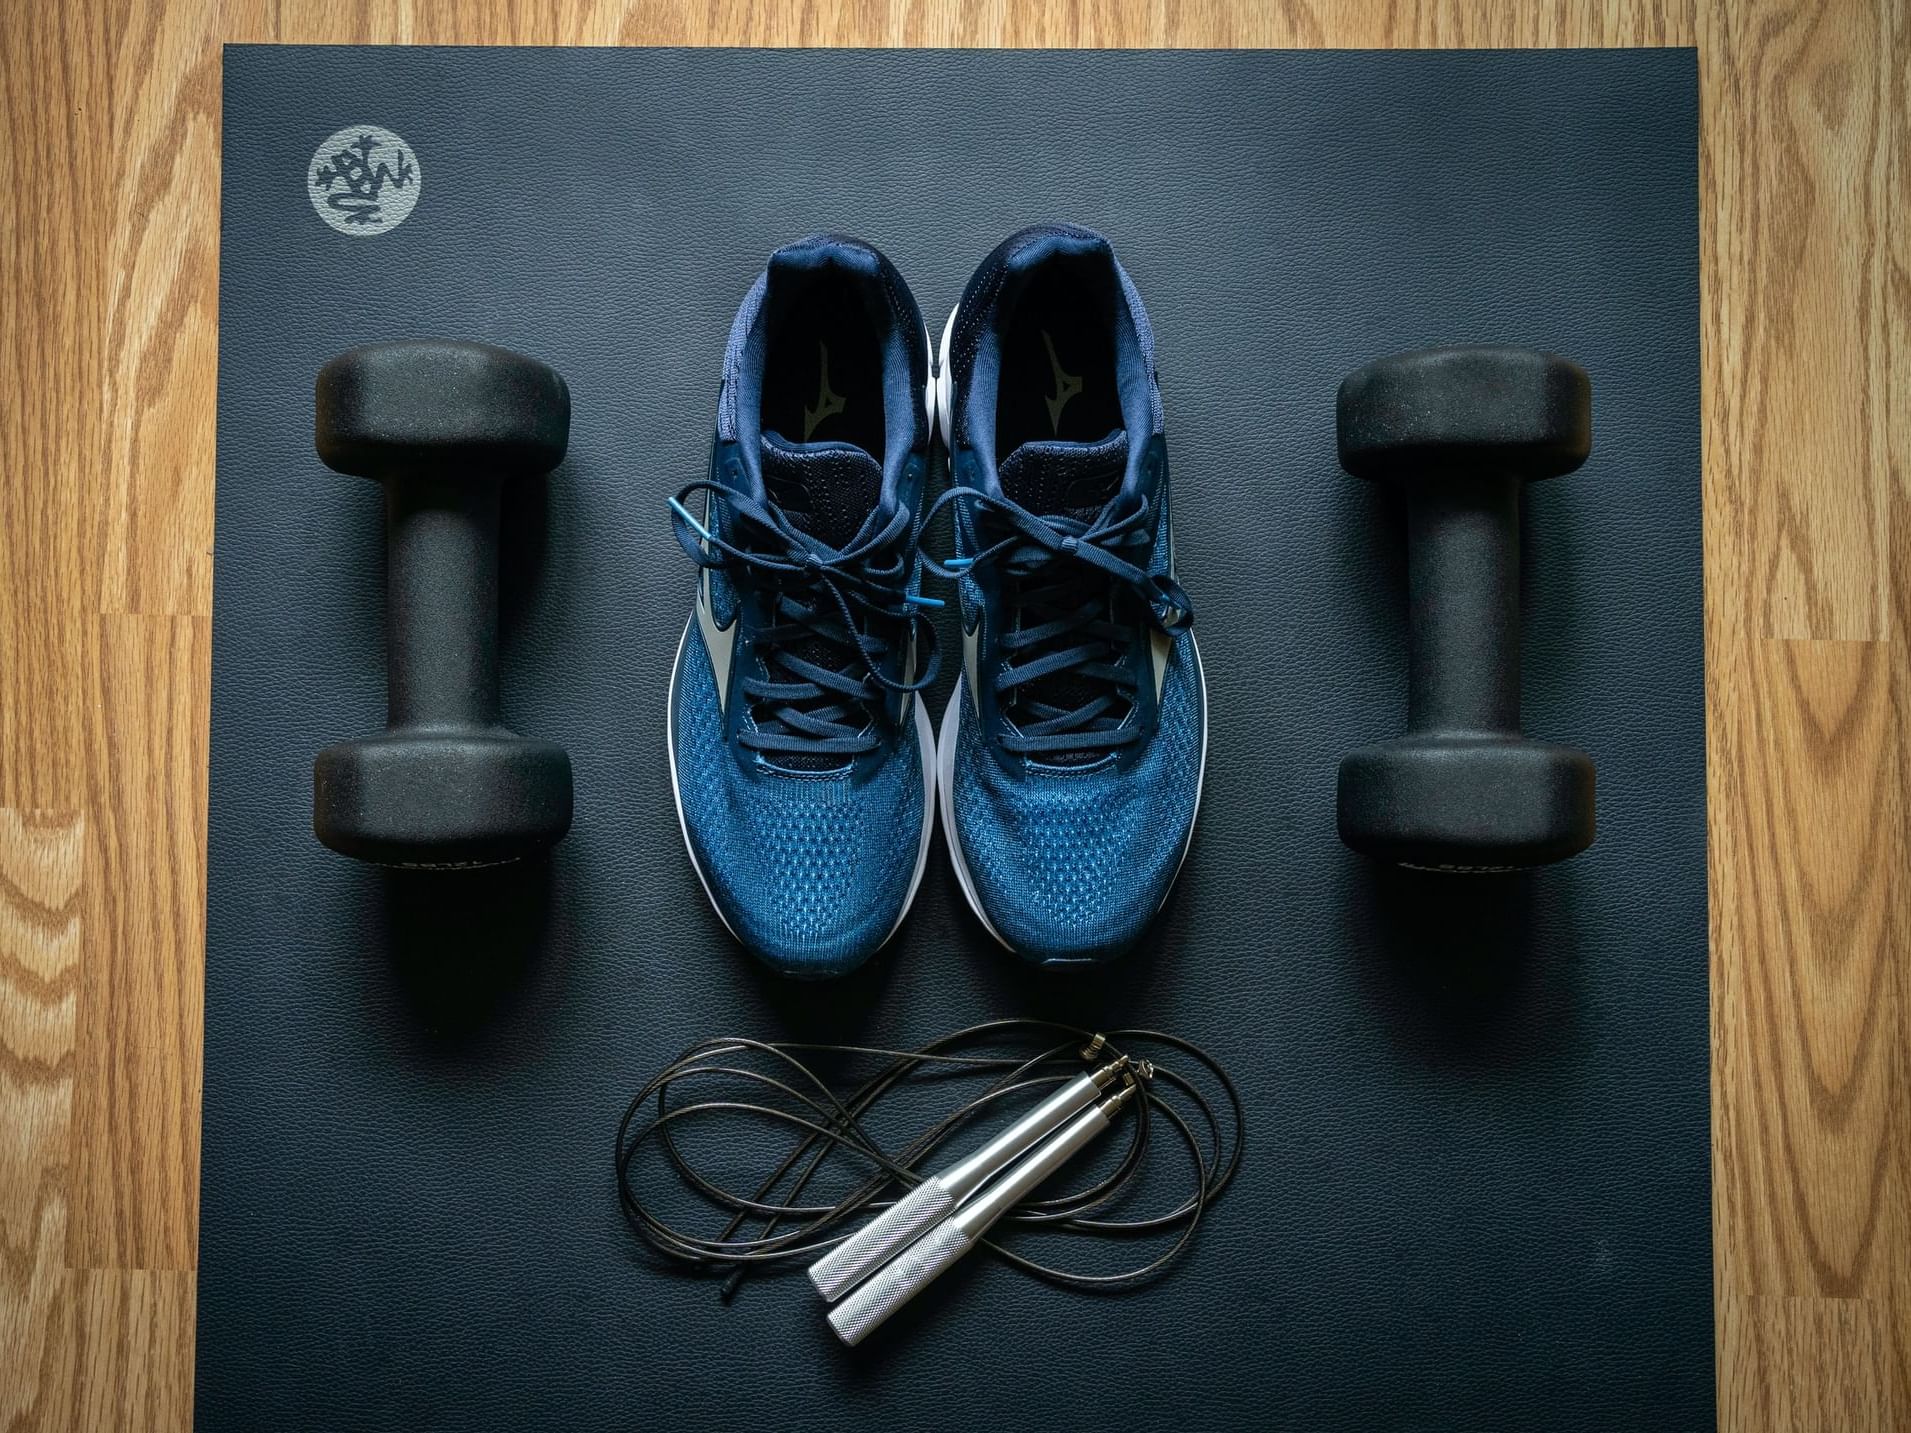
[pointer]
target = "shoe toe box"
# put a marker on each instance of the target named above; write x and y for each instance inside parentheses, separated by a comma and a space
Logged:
(809, 870)
(1070, 865)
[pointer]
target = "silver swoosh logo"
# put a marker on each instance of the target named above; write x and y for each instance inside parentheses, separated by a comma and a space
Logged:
(971, 645)
(719, 642)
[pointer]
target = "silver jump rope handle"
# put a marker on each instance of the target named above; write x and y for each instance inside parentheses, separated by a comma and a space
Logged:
(898, 1281)
(905, 1221)
(899, 1226)
(917, 1266)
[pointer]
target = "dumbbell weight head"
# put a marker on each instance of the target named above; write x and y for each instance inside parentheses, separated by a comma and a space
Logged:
(1459, 431)
(1456, 802)
(442, 426)
(421, 406)
(1432, 414)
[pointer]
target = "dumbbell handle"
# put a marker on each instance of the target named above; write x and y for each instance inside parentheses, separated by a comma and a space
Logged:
(1463, 586)
(441, 601)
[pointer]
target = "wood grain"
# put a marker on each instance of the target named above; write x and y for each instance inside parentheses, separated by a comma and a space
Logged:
(42, 856)
(132, 1359)
(1798, 339)
(1805, 1365)
(108, 264)
(1810, 844)
(161, 312)
(52, 92)
(136, 1119)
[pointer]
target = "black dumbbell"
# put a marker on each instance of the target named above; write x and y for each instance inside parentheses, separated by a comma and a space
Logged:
(1459, 431)
(441, 425)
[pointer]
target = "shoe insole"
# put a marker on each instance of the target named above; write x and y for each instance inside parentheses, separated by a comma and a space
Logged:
(1058, 366)
(822, 381)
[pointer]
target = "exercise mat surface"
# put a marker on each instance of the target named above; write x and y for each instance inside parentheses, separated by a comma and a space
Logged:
(1475, 1192)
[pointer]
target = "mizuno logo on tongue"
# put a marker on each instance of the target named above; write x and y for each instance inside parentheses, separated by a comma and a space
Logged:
(828, 402)
(1067, 385)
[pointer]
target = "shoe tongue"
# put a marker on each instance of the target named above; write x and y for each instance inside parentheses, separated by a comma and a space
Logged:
(1055, 479)
(826, 489)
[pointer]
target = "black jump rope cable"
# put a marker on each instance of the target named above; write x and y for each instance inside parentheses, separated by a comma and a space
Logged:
(794, 1232)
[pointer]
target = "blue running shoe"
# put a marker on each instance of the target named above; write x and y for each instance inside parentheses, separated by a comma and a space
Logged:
(801, 757)
(1071, 753)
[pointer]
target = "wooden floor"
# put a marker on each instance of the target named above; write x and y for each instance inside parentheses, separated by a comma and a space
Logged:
(108, 266)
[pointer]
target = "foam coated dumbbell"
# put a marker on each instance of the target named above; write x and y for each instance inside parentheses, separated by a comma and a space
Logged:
(442, 426)
(1460, 431)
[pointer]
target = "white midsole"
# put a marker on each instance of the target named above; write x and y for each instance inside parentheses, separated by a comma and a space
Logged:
(676, 795)
(945, 767)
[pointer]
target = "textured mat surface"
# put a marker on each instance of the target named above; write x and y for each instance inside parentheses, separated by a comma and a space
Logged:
(1476, 1188)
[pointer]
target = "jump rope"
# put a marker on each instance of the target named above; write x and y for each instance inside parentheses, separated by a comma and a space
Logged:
(1018, 1061)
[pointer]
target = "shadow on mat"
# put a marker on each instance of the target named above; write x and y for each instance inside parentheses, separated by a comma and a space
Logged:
(464, 944)
(1479, 971)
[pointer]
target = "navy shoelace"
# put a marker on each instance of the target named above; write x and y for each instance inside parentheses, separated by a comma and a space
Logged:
(1069, 586)
(854, 601)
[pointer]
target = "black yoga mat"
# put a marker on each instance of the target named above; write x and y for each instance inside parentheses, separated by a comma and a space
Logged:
(1475, 1192)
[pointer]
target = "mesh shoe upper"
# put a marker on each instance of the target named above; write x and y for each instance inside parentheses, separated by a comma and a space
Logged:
(1077, 737)
(808, 870)
(798, 755)
(1070, 864)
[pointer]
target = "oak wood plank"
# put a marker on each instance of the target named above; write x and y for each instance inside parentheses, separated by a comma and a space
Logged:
(161, 296)
(132, 1365)
(53, 163)
(1806, 1366)
(141, 1024)
(42, 856)
(1795, 186)
(1810, 935)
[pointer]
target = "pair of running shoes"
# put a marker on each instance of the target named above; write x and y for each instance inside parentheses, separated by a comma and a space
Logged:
(1068, 762)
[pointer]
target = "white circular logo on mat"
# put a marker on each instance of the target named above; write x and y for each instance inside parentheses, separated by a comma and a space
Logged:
(364, 180)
